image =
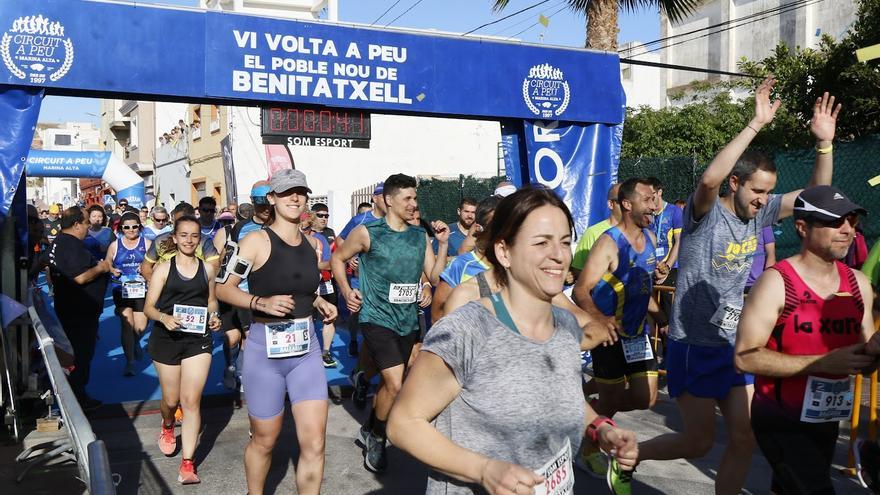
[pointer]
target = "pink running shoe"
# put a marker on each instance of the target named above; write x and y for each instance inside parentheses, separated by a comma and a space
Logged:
(186, 475)
(167, 440)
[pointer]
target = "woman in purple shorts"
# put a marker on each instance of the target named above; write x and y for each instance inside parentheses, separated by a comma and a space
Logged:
(282, 356)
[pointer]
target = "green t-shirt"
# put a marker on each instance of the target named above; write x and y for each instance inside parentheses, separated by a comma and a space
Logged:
(390, 273)
(582, 251)
(871, 267)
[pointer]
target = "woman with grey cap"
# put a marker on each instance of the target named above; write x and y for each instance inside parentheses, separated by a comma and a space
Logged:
(282, 355)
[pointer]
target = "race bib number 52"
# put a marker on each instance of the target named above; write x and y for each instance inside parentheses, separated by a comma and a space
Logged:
(193, 319)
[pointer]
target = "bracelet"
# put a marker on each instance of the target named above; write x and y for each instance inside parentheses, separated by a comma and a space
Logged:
(593, 428)
(251, 305)
(752, 128)
(824, 151)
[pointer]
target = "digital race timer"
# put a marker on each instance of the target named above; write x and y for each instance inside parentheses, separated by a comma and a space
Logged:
(315, 122)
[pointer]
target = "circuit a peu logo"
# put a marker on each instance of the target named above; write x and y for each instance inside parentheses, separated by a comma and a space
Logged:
(35, 49)
(545, 91)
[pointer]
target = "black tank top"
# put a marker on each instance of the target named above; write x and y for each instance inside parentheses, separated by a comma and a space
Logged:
(186, 291)
(291, 270)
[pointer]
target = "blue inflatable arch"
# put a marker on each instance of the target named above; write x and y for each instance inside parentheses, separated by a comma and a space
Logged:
(102, 165)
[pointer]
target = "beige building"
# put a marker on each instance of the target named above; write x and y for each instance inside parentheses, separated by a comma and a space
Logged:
(208, 125)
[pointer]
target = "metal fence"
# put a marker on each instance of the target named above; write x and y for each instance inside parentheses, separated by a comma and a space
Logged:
(854, 164)
(81, 445)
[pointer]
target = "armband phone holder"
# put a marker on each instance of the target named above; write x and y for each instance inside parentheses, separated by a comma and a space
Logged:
(239, 266)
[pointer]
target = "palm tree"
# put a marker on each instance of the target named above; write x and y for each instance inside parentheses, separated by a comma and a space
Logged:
(602, 16)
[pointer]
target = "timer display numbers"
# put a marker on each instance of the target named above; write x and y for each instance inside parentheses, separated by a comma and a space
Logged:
(315, 122)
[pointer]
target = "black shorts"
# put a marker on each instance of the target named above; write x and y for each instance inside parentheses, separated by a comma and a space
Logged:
(799, 453)
(387, 348)
(173, 347)
(122, 303)
(666, 297)
(332, 298)
(610, 366)
(234, 318)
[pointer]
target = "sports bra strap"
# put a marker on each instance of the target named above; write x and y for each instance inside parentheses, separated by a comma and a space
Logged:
(485, 291)
(501, 312)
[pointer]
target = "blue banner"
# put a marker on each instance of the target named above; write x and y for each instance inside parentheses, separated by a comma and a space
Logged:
(578, 162)
(74, 164)
(512, 146)
(86, 48)
(19, 110)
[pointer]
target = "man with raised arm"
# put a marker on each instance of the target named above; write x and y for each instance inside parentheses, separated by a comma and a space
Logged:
(717, 243)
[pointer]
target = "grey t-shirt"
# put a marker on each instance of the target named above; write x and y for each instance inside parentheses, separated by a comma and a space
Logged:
(520, 400)
(715, 259)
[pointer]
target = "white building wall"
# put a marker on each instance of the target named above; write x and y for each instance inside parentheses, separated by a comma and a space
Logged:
(723, 49)
(172, 174)
(416, 146)
(642, 84)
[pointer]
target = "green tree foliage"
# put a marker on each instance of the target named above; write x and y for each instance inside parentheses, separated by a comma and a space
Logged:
(803, 75)
(702, 128)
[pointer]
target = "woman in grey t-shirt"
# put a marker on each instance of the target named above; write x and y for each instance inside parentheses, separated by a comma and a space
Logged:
(494, 403)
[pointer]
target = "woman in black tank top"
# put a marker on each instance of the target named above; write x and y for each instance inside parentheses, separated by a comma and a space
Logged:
(181, 300)
(281, 267)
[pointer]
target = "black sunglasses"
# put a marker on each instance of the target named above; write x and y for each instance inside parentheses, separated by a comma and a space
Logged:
(131, 227)
(322, 215)
(852, 218)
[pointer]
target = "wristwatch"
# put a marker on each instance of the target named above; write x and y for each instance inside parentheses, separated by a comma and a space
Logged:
(214, 313)
(593, 428)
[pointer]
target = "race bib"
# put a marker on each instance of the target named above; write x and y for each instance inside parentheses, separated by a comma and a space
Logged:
(660, 252)
(193, 319)
(403, 293)
(726, 317)
(288, 338)
(558, 475)
(826, 400)
(134, 289)
(325, 288)
(637, 349)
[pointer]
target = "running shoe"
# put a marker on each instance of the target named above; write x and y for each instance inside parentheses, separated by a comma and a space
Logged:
(619, 481)
(329, 362)
(867, 456)
(363, 435)
(229, 380)
(129, 369)
(592, 462)
(353, 348)
(186, 475)
(375, 458)
(361, 386)
(178, 416)
(167, 440)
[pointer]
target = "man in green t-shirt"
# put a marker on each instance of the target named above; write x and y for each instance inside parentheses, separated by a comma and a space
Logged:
(591, 235)
(393, 256)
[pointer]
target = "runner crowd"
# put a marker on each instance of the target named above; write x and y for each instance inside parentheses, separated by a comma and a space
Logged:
(492, 396)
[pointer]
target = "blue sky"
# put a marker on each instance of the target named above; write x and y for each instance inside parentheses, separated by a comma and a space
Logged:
(566, 28)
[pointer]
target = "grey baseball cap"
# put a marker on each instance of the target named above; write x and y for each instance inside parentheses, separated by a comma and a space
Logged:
(287, 179)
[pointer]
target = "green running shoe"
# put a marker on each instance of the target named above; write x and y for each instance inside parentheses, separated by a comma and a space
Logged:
(592, 462)
(619, 481)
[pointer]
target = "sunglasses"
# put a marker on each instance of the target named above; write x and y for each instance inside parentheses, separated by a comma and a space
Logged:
(131, 227)
(160, 220)
(322, 215)
(852, 218)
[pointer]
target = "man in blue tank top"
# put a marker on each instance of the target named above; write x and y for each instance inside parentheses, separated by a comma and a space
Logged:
(393, 257)
(615, 287)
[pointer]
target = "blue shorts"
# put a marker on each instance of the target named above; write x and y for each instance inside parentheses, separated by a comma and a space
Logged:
(702, 371)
